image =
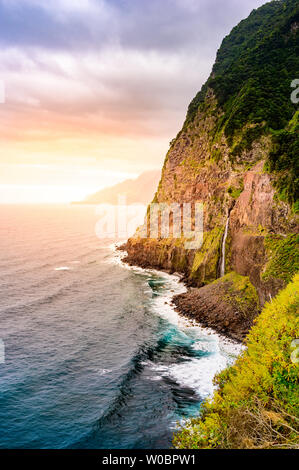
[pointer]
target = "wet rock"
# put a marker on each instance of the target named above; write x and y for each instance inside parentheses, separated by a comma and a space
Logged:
(228, 305)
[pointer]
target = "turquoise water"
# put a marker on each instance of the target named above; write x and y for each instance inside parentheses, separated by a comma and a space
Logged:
(95, 357)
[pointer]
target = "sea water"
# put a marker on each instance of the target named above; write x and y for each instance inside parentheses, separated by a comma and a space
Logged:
(95, 355)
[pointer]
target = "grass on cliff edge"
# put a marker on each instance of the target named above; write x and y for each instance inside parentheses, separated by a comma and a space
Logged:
(240, 293)
(283, 254)
(256, 404)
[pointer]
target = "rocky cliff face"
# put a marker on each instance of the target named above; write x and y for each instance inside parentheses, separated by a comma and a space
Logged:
(225, 166)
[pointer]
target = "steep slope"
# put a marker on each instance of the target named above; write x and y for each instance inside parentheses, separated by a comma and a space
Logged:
(257, 401)
(238, 154)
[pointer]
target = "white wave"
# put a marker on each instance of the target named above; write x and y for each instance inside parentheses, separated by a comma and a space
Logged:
(196, 373)
(155, 378)
(163, 308)
(226, 345)
(211, 346)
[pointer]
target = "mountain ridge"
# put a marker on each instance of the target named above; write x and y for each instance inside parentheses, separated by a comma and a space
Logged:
(138, 190)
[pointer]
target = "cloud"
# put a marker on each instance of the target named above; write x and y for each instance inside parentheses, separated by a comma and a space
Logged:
(138, 24)
(59, 24)
(108, 77)
(125, 91)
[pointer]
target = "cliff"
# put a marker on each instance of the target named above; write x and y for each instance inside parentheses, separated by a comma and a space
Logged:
(237, 153)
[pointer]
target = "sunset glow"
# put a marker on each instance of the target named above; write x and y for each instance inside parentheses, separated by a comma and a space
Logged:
(149, 201)
(92, 96)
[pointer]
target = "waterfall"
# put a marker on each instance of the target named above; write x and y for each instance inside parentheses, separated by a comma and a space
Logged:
(222, 259)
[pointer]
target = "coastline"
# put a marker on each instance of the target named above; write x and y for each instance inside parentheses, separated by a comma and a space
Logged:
(187, 318)
(218, 351)
(207, 312)
(225, 323)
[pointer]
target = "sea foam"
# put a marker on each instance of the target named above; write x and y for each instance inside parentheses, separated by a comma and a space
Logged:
(215, 351)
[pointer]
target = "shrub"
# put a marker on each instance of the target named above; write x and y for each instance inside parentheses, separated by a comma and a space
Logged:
(256, 404)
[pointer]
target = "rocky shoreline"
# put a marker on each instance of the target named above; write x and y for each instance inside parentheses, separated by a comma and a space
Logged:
(227, 305)
(201, 306)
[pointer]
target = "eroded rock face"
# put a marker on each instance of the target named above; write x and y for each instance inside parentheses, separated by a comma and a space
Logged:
(254, 207)
(199, 168)
(255, 216)
(218, 159)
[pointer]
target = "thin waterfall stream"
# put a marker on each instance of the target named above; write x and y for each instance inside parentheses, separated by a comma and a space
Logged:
(222, 259)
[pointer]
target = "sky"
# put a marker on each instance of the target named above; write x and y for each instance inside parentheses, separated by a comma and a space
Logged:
(93, 91)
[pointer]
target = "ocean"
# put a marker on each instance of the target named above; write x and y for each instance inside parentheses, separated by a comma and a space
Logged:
(95, 355)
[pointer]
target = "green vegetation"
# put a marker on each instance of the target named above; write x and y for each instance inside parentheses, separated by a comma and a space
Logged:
(235, 192)
(239, 292)
(283, 255)
(256, 404)
(254, 68)
(284, 161)
(206, 259)
(251, 80)
(245, 139)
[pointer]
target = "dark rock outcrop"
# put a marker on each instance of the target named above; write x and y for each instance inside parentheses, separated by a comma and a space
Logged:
(228, 305)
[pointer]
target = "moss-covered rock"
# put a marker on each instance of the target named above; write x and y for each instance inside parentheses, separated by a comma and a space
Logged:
(204, 267)
(240, 293)
(229, 305)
